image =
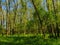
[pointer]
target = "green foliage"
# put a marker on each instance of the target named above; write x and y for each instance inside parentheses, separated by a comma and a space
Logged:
(27, 40)
(0, 27)
(30, 17)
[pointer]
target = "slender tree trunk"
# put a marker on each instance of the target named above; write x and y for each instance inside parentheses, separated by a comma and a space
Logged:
(14, 19)
(38, 15)
(55, 12)
(7, 17)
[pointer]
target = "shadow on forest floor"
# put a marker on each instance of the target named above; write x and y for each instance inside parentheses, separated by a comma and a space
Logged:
(32, 40)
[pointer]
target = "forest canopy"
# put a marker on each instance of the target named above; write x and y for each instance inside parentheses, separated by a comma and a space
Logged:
(30, 17)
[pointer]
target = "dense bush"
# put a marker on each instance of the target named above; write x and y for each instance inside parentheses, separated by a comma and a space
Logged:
(27, 40)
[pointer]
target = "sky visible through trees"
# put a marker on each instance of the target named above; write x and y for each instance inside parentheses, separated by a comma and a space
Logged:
(29, 16)
(28, 4)
(34, 20)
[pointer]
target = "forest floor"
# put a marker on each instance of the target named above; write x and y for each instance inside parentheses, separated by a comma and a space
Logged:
(28, 40)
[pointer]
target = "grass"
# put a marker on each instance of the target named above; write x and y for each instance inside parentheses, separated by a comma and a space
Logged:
(27, 40)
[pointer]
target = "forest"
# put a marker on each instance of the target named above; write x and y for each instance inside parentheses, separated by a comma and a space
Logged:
(29, 22)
